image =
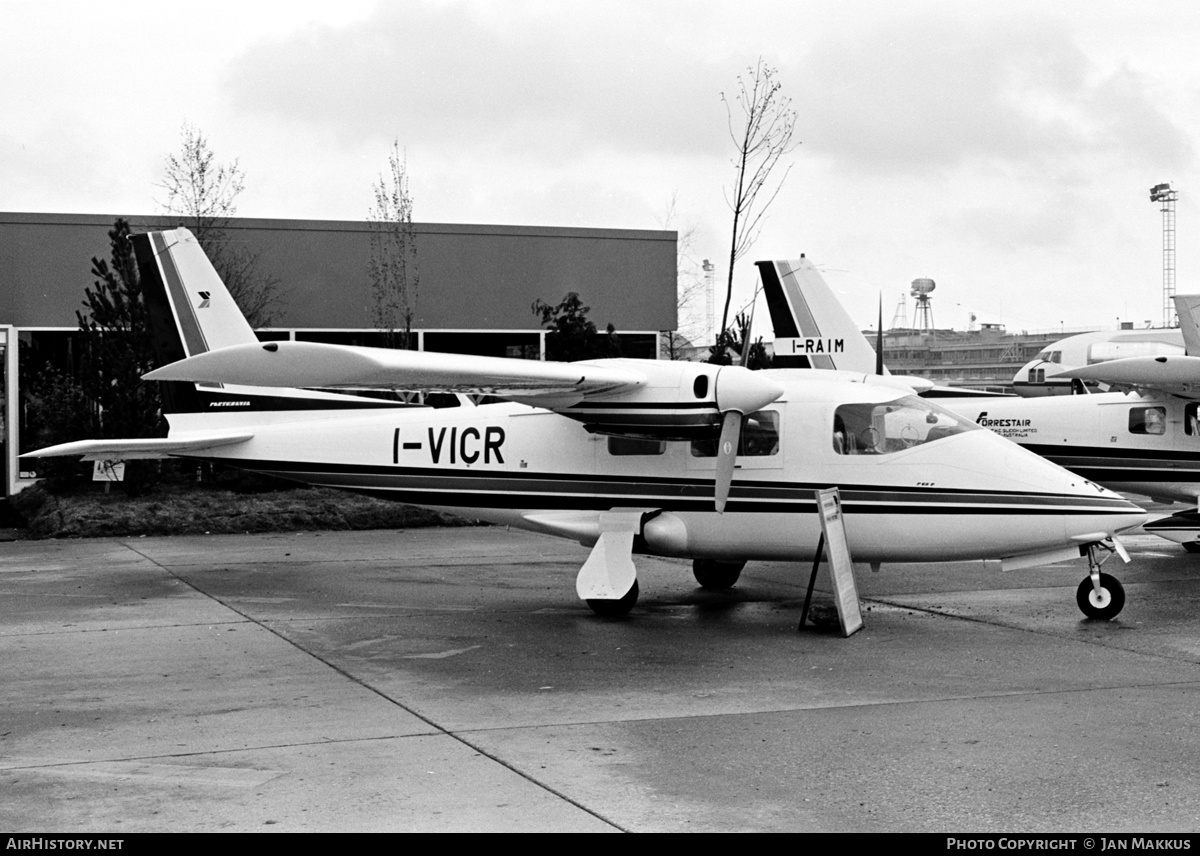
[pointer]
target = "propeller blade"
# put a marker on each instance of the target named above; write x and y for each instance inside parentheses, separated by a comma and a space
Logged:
(727, 446)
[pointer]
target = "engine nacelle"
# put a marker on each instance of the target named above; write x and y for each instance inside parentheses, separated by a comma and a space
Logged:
(680, 401)
(666, 534)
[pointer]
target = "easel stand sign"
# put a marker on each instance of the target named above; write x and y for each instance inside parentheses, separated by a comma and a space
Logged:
(841, 570)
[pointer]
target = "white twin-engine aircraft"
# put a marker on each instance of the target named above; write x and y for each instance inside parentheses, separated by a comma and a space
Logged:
(1141, 437)
(716, 464)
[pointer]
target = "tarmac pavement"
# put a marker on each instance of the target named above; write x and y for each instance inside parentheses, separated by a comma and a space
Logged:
(448, 679)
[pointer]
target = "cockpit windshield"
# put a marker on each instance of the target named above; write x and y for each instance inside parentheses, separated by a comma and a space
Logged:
(881, 429)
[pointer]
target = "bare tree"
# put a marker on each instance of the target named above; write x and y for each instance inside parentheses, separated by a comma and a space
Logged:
(203, 194)
(763, 135)
(393, 269)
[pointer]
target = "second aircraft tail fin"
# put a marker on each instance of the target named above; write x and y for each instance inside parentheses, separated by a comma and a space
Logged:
(812, 329)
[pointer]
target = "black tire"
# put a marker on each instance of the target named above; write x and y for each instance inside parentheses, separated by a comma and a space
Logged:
(1105, 607)
(1191, 546)
(610, 608)
(715, 575)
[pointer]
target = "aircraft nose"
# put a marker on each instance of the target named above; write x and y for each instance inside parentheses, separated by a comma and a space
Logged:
(1101, 512)
(1131, 516)
(1086, 511)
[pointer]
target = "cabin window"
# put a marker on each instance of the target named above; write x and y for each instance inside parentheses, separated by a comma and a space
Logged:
(760, 438)
(1147, 420)
(622, 446)
(1191, 419)
(880, 429)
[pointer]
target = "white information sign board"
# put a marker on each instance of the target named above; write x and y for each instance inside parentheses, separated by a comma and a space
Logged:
(841, 569)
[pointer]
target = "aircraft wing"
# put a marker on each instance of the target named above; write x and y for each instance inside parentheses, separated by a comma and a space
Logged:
(1174, 375)
(313, 364)
(648, 399)
(149, 447)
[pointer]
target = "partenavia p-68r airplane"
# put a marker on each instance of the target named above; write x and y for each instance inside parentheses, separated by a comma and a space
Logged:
(1142, 438)
(717, 464)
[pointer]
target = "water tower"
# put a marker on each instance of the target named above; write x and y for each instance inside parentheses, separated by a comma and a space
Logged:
(924, 311)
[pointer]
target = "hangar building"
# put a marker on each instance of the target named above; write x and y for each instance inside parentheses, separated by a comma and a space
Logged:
(477, 286)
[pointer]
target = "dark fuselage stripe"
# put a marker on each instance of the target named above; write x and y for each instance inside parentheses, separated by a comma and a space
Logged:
(505, 489)
(1103, 465)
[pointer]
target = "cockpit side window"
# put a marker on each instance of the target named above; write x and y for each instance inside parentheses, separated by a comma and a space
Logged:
(1147, 420)
(881, 429)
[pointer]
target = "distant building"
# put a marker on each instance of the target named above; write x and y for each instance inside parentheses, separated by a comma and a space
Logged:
(984, 359)
(477, 285)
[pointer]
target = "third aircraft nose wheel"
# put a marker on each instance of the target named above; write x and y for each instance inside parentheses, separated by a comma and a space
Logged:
(1099, 595)
(1103, 604)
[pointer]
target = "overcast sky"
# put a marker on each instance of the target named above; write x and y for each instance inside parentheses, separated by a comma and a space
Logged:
(1004, 149)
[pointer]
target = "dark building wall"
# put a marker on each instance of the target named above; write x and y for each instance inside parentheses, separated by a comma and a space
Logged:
(471, 277)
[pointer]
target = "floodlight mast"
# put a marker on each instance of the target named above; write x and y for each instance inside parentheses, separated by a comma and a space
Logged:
(1163, 194)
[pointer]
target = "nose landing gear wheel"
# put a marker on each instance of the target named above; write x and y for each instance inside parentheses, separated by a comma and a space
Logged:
(715, 575)
(1104, 604)
(609, 608)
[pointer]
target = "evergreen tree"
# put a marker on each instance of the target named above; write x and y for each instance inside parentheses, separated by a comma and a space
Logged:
(108, 398)
(117, 345)
(572, 336)
(732, 341)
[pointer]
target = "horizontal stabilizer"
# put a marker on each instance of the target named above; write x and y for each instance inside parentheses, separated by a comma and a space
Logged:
(148, 447)
(911, 383)
(1182, 527)
(1175, 375)
(314, 364)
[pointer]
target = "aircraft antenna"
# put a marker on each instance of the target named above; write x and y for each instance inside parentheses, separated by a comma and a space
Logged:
(1163, 194)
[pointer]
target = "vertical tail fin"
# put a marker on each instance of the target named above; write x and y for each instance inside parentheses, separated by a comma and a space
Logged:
(1187, 308)
(812, 330)
(192, 312)
(184, 292)
(179, 310)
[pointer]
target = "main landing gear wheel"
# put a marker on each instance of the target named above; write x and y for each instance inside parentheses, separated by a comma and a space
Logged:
(609, 608)
(1104, 604)
(715, 575)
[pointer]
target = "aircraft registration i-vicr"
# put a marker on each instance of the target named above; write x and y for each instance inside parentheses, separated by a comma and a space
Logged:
(711, 463)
